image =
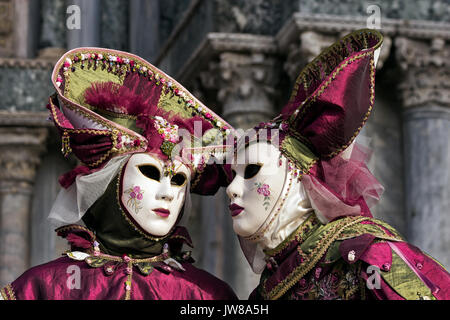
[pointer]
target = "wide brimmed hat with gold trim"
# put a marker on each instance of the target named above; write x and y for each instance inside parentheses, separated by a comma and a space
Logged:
(110, 103)
(330, 103)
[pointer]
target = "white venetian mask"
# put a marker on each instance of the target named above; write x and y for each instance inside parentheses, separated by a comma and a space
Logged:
(151, 196)
(260, 175)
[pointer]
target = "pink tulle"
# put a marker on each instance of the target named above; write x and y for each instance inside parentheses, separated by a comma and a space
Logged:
(343, 186)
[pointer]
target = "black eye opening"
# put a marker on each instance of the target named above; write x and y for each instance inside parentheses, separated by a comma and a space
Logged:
(251, 170)
(150, 171)
(178, 179)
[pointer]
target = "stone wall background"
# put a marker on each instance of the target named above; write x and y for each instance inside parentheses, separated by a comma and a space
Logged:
(240, 57)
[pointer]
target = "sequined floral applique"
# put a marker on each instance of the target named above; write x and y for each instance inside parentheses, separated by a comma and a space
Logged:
(136, 195)
(264, 189)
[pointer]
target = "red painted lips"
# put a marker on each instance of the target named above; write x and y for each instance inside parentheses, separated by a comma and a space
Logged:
(235, 209)
(164, 213)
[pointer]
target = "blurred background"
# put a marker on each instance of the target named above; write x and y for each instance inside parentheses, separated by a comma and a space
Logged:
(240, 57)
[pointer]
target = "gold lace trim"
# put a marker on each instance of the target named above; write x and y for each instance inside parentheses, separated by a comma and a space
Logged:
(297, 235)
(74, 227)
(8, 293)
(113, 133)
(311, 258)
(139, 62)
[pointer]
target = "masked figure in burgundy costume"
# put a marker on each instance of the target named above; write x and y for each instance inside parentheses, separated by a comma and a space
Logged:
(129, 124)
(301, 193)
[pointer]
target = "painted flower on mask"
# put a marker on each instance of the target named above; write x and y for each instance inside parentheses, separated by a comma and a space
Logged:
(136, 195)
(264, 189)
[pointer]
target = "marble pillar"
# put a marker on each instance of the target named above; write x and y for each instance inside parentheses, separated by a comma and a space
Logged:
(299, 53)
(114, 24)
(53, 25)
(144, 29)
(25, 28)
(89, 32)
(20, 148)
(45, 245)
(6, 28)
(426, 100)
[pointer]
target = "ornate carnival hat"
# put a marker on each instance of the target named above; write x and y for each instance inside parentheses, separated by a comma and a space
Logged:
(330, 103)
(110, 103)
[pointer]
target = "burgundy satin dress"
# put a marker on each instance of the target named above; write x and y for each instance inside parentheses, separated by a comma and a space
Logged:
(55, 281)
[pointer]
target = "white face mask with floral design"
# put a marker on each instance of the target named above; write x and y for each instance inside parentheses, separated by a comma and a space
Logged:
(267, 201)
(256, 186)
(154, 192)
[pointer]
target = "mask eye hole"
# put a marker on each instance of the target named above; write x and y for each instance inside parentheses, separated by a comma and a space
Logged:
(150, 171)
(251, 170)
(178, 180)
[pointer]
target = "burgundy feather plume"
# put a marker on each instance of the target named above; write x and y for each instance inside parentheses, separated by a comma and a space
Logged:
(138, 96)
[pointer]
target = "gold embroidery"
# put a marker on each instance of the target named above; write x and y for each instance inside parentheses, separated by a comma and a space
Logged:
(3, 293)
(102, 121)
(353, 289)
(199, 173)
(113, 133)
(8, 293)
(74, 227)
(311, 258)
(296, 161)
(298, 235)
(340, 231)
(128, 282)
(103, 256)
(100, 259)
(153, 74)
(65, 148)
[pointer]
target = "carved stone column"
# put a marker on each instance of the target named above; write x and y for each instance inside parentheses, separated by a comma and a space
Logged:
(18, 28)
(304, 37)
(425, 89)
(89, 33)
(52, 40)
(114, 24)
(6, 28)
(239, 73)
(299, 54)
(246, 87)
(20, 148)
(144, 15)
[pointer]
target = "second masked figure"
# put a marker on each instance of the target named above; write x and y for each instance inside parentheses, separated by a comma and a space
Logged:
(301, 193)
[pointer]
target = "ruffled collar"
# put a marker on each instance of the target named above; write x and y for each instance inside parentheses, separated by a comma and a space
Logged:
(84, 246)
